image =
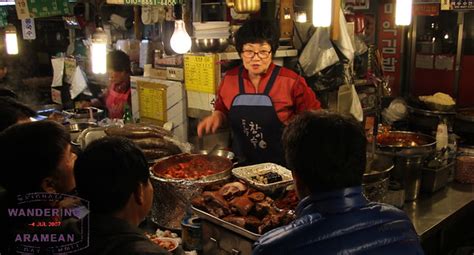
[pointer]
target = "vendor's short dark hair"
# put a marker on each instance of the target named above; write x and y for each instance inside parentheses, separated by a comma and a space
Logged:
(12, 110)
(258, 31)
(31, 152)
(326, 150)
(108, 171)
(118, 61)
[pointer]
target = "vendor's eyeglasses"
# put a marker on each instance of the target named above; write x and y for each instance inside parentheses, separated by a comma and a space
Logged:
(261, 54)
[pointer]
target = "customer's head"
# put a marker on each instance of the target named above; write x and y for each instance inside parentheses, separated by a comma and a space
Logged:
(112, 173)
(325, 151)
(257, 41)
(118, 66)
(12, 112)
(36, 157)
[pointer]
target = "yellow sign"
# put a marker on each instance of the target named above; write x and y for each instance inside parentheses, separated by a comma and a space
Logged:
(152, 102)
(200, 73)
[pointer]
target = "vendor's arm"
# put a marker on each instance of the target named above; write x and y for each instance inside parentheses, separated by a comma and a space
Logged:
(304, 97)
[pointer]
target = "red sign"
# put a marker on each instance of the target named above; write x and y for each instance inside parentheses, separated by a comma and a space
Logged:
(389, 42)
(426, 9)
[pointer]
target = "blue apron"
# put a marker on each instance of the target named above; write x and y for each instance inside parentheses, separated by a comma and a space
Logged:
(255, 126)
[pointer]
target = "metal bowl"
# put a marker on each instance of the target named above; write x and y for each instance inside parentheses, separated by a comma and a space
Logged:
(211, 44)
(440, 107)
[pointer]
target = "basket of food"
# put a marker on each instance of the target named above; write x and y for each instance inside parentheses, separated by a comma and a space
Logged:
(439, 102)
(267, 177)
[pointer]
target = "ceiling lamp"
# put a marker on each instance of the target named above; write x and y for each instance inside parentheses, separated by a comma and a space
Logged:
(180, 40)
(403, 12)
(11, 39)
(322, 10)
(99, 51)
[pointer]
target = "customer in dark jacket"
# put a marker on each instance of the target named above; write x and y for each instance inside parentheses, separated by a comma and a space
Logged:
(113, 175)
(13, 112)
(327, 155)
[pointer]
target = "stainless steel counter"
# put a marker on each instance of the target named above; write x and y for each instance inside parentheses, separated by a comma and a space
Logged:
(432, 212)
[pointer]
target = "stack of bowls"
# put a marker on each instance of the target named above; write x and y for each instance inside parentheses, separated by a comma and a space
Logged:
(211, 36)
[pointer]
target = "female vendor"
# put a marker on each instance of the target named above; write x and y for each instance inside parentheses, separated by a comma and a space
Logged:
(258, 98)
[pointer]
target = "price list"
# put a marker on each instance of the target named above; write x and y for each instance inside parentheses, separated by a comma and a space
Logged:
(200, 73)
(152, 101)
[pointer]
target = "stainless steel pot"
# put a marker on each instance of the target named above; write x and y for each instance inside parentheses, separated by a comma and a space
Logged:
(408, 159)
(464, 125)
(244, 6)
(376, 177)
(428, 120)
(172, 196)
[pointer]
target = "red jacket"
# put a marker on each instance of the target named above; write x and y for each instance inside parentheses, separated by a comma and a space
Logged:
(290, 93)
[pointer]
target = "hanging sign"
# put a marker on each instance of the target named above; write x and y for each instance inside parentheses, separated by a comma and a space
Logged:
(41, 8)
(462, 4)
(426, 10)
(28, 28)
(390, 41)
(200, 73)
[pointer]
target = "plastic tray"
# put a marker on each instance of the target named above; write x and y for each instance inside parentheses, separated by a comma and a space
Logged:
(245, 173)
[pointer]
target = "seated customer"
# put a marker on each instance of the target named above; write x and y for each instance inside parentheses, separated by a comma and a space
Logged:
(327, 155)
(35, 157)
(112, 173)
(12, 112)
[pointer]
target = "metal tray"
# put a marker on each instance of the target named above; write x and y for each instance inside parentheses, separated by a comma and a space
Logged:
(90, 134)
(236, 229)
(245, 173)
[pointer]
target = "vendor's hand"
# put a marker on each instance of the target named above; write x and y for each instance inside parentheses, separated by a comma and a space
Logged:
(211, 123)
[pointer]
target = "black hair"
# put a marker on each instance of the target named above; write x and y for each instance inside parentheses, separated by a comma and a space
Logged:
(258, 31)
(326, 150)
(5, 92)
(118, 61)
(12, 110)
(31, 152)
(108, 171)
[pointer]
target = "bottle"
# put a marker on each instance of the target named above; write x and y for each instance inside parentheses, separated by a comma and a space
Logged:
(442, 142)
(127, 114)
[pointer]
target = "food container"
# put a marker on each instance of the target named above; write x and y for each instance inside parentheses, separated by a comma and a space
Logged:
(435, 179)
(172, 196)
(427, 120)
(220, 237)
(247, 172)
(408, 151)
(465, 165)
(88, 135)
(376, 177)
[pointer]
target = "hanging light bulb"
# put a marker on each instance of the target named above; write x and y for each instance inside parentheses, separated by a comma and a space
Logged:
(11, 39)
(301, 17)
(403, 12)
(180, 40)
(322, 10)
(99, 51)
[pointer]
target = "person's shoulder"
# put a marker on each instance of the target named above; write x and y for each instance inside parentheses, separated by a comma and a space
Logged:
(288, 73)
(233, 72)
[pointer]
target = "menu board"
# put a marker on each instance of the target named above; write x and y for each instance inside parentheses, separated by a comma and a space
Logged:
(152, 101)
(41, 8)
(462, 4)
(200, 73)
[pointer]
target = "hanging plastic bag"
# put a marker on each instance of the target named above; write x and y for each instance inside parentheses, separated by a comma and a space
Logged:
(348, 102)
(318, 53)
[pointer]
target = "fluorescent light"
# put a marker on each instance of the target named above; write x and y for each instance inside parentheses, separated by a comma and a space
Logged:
(11, 39)
(403, 12)
(322, 10)
(99, 52)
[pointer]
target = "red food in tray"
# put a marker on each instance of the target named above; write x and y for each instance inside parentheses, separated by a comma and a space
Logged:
(191, 167)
